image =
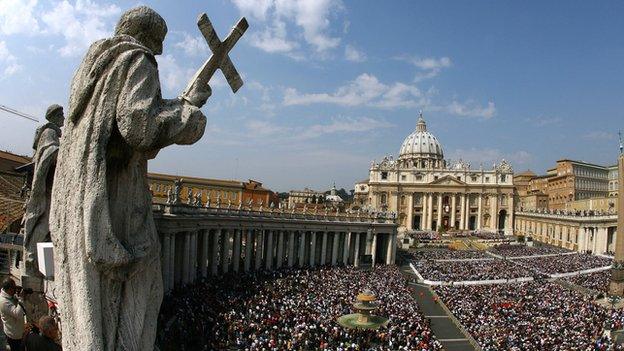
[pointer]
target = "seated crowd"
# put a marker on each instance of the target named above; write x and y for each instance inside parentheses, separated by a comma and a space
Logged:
(564, 264)
(509, 250)
(597, 281)
(292, 310)
(470, 270)
(446, 254)
(531, 316)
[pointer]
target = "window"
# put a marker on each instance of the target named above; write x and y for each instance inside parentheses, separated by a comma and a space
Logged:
(403, 177)
(383, 199)
(419, 177)
(473, 178)
(503, 177)
(435, 177)
(487, 179)
(384, 175)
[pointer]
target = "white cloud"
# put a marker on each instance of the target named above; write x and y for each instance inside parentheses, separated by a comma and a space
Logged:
(487, 157)
(367, 90)
(354, 55)
(80, 24)
(428, 67)
(599, 135)
(8, 60)
(194, 46)
(173, 76)
(471, 109)
(16, 17)
(541, 121)
(311, 17)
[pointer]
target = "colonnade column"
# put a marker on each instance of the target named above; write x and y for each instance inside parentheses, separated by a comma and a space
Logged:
(313, 249)
(214, 260)
(280, 249)
(186, 258)
(269, 251)
(302, 247)
(165, 260)
(225, 257)
(259, 248)
(346, 250)
(236, 251)
(203, 258)
(193, 272)
(248, 249)
(356, 253)
(336, 242)
(391, 247)
(291, 248)
(324, 249)
(172, 258)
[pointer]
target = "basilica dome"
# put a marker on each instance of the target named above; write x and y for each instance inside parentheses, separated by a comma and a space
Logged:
(421, 145)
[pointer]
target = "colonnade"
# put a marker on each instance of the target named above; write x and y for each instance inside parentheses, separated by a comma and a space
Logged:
(191, 254)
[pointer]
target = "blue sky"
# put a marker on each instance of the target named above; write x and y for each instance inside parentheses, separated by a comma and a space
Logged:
(331, 85)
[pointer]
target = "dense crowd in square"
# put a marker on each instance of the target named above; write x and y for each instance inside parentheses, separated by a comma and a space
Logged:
(446, 254)
(564, 264)
(511, 250)
(597, 281)
(533, 316)
(293, 310)
(451, 271)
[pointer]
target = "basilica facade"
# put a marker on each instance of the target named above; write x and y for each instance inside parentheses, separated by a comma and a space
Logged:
(429, 193)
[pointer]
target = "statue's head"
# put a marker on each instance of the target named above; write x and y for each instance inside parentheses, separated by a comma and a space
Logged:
(145, 25)
(55, 115)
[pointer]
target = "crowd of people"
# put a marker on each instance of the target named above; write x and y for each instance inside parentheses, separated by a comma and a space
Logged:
(292, 310)
(452, 271)
(446, 254)
(531, 316)
(564, 264)
(510, 250)
(598, 281)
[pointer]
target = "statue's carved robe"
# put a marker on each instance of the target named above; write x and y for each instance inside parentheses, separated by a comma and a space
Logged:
(36, 216)
(107, 253)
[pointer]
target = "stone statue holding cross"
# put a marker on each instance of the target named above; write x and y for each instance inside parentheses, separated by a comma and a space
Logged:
(106, 249)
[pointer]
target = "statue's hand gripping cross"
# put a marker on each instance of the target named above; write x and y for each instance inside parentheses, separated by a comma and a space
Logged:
(219, 58)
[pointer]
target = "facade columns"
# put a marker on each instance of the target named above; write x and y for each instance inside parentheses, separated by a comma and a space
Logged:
(269, 251)
(391, 247)
(302, 248)
(423, 214)
(214, 267)
(439, 219)
(430, 212)
(248, 249)
(280, 249)
(374, 249)
(480, 211)
(410, 212)
(494, 212)
(462, 212)
(346, 250)
(291, 248)
(453, 209)
(356, 254)
(313, 249)
(324, 249)
(236, 251)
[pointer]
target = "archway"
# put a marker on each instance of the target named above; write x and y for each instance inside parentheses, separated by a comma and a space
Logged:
(502, 217)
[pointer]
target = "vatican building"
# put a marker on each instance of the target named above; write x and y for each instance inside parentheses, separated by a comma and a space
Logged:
(429, 193)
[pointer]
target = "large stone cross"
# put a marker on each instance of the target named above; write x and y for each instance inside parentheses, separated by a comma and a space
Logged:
(219, 58)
